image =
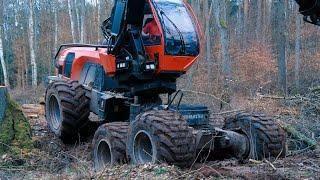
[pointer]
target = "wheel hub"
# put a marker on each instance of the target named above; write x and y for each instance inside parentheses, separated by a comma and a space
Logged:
(104, 155)
(143, 148)
(54, 112)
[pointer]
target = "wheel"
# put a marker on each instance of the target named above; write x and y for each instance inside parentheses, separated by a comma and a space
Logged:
(315, 19)
(88, 130)
(109, 145)
(66, 109)
(266, 138)
(161, 136)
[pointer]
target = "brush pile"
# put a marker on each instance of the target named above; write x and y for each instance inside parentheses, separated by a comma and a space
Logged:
(310, 103)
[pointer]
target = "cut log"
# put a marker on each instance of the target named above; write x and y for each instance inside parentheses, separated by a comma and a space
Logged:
(33, 109)
(31, 106)
(33, 116)
(42, 100)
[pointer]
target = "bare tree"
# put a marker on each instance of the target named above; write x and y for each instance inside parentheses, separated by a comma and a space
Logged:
(56, 28)
(279, 36)
(98, 10)
(34, 72)
(99, 18)
(259, 20)
(3, 63)
(221, 21)
(78, 18)
(82, 30)
(208, 36)
(297, 52)
(71, 21)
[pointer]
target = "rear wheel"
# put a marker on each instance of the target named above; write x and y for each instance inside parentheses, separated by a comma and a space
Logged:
(109, 145)
(315, 19)
(161, 136)
(66, 109)
(266, 138)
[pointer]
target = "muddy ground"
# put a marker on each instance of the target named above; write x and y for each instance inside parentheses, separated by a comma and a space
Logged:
(51, 159)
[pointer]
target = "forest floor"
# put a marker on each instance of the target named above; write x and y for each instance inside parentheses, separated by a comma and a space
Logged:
(51, 159)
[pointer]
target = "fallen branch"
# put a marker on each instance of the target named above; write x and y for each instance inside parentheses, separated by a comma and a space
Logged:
(190, 172)
(255, 161)
(268, 162)
(228, 112)
(206, 94)
(276, 97)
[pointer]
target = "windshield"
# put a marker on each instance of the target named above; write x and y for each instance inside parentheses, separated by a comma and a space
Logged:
(179, 30)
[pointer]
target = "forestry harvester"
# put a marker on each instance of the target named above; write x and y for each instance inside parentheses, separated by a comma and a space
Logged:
(148, 45)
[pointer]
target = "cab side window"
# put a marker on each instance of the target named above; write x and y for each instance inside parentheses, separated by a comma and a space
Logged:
(151, 34)
(68, 64)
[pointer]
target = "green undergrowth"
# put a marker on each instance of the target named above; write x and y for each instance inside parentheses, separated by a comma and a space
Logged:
(15, 131)
(296, 135)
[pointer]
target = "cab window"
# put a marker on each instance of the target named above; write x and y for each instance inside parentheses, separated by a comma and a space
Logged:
(151, 34)
(179, 28)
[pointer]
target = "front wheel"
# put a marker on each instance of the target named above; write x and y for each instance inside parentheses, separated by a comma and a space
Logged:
(161, 136)
(266, 138)
(66, 109)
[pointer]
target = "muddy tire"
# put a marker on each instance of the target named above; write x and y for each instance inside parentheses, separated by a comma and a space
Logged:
(161, 136)
(109, 145)
(87, 131)
(66, 109)
(267, 139)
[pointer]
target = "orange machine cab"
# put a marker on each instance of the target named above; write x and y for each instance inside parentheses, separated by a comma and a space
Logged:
(177, 47)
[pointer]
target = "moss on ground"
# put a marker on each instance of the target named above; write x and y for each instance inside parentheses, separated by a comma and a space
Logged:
(15, 130)
(296, 135)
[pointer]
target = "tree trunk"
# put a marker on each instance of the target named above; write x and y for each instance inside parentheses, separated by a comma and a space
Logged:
(246, 34)
(78, 18)
(259, 20)
(56, 29)
(3, 63)
(198, 9)
(31, 46)
(221, 20)
(208, 39)
(279, 37)
(297, 52)
(71, 21)
(3, 104)
(83, 13)
(239, 24)
(99, 20)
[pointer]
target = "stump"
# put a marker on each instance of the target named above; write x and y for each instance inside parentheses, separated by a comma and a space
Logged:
(15, 130)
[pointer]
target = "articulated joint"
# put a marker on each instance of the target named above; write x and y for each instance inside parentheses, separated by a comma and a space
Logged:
(223, 143)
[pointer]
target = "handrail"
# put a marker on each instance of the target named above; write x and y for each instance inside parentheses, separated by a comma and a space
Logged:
(174, 97)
